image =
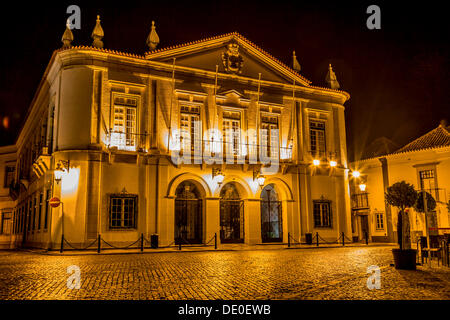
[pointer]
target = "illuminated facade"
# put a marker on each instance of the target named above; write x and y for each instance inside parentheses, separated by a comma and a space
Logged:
(108, 124)
(423, 163)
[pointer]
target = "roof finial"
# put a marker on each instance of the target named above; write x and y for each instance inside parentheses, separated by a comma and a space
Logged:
(153, 38)
(295, 64)
(331, 78)
(67, 37)
(97, 34)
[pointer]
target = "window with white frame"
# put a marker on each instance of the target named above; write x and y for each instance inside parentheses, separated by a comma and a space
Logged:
(428, 182)
(322, 213)
(317, 137)
(122, 211)
(379, 220)
(270, 135)
(123, 135)
(190, 129)
(231, 132)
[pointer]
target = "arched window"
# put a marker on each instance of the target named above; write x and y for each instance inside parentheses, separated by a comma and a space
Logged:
(188, 214)
(231, 215)
(271, 224)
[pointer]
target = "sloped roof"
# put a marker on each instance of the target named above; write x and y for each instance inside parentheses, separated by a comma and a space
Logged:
(436, 138)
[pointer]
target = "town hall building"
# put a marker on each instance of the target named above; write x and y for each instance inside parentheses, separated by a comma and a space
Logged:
(209, 137)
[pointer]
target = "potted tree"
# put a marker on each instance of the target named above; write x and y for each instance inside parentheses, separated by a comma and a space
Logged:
(403, 196)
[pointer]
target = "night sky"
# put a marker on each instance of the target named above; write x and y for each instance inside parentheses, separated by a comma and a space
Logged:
(398, 77)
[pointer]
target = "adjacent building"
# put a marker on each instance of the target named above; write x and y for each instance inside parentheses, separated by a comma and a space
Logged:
(424, 163)
(210, 137)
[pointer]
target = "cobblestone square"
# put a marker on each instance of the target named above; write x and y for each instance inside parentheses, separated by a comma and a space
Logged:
(323, 273)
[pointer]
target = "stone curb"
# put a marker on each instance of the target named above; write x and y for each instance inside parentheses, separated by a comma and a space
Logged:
(118, 252)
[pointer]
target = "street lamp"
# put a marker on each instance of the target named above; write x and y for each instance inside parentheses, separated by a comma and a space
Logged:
(362, 187)
(333, 163)
(356, 174)
(61, 167)
(316, 162)
(216, 172)
(261, 180)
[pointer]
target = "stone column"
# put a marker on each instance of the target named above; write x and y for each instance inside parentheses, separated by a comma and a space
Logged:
(252, 221)
(212, 219)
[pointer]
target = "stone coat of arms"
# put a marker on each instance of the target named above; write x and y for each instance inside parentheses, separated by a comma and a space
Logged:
(232, 59)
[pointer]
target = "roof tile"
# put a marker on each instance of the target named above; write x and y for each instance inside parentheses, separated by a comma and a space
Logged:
(436, 138)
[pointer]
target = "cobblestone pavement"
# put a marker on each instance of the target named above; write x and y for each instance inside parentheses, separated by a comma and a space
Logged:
(327, 273)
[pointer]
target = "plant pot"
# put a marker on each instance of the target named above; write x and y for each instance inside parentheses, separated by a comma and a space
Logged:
(404, 259)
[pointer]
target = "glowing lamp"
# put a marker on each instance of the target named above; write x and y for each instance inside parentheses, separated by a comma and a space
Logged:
(220, 178)
(333, 163)
(356, 174)
(316, 162)
(362, 187)
(217, 173)
(261, 180)
(58, 175)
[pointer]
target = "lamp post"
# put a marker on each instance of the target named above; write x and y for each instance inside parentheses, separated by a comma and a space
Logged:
(427, 231)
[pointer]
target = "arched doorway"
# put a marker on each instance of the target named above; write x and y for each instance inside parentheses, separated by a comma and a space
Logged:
(188, 214)
(231, 215)
(271, 224)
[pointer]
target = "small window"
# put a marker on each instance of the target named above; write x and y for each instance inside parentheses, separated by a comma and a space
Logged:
(123, 135)
(379, 221)
(6, 225)
(9, 176)
(317, 138)
(190, 128)
(427, 182)
(122, 211)
(231, 132)
(270, 135)
(322, 214)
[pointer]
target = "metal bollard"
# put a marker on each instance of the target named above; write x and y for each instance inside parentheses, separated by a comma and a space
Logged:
(317, 238)
(179, 243)
(215, 241)
(289, 239)
(367, 237)
(62, 244)
(343, 239)
(99, 243)
(142, 242)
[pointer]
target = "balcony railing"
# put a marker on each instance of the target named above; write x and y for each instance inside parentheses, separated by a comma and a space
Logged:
(125, 141)
(224, 149)
(230, 150)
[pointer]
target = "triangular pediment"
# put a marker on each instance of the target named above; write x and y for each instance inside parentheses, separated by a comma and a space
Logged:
(232, 53)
